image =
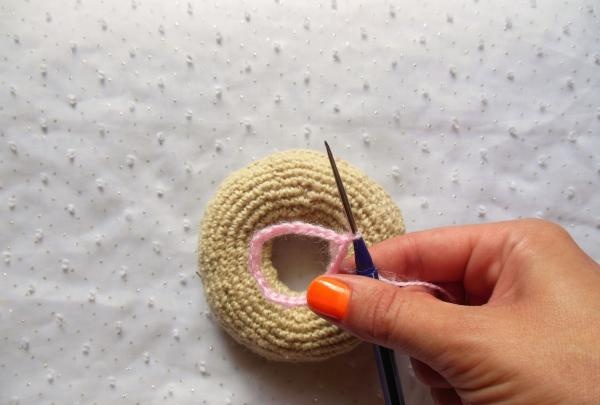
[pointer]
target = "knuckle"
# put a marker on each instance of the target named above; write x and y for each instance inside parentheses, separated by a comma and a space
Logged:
(424, 374)
(534, 233)
(412, 256)
(386, 313)
(537, 226)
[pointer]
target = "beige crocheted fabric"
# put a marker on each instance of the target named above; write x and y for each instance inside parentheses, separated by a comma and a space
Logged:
(286, 186)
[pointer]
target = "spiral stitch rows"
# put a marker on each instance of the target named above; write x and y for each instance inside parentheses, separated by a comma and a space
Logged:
(289, 186)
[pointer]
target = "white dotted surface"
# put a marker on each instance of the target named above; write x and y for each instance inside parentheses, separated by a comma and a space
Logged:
(118, 119)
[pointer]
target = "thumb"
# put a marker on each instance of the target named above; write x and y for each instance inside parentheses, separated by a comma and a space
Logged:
(406, 319)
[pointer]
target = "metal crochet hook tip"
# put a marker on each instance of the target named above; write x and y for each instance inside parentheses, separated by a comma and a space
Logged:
(384, 357)
(341, 189)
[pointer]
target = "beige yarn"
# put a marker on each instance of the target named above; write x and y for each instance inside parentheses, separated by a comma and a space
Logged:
(286, 186)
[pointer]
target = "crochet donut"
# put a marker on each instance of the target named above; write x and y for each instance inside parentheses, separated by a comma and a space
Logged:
(295, 185)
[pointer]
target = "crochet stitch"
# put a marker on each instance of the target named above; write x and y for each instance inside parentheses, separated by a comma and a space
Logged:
(294, 185)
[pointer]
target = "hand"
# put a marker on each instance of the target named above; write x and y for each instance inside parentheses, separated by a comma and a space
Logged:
(528, 331)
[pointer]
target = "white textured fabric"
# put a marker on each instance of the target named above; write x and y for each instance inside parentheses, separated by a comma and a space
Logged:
(118, 119)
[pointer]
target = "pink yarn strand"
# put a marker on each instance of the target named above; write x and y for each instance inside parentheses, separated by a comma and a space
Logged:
(338, 249)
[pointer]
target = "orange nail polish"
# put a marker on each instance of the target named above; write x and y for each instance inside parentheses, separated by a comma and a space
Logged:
(328, 296)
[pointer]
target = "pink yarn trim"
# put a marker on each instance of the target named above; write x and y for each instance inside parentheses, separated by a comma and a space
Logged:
(338, 248)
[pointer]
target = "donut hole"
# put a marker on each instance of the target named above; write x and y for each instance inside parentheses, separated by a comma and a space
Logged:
(298, 259)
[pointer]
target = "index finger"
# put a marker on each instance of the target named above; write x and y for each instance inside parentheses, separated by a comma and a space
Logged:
(471, 255)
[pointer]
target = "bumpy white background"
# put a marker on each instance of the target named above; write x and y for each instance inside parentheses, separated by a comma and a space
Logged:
(118, 119)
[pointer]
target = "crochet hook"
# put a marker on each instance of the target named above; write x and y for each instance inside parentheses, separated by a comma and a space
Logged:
(386, 363)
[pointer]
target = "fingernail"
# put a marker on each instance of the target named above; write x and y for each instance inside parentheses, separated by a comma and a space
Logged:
(328, 296)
